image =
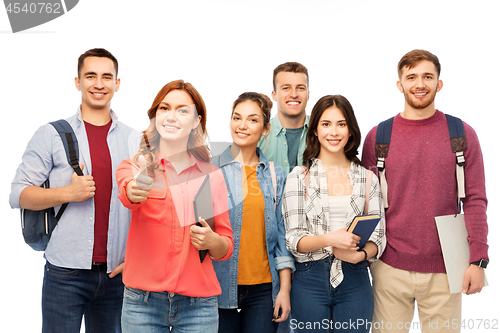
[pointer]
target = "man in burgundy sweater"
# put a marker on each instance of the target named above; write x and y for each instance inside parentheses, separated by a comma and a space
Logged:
(420, 172)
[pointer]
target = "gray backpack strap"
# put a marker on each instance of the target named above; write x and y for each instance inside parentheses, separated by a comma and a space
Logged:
(458, 146)
(382, 142)
(70, 144)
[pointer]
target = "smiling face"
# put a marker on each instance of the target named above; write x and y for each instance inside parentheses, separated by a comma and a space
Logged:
(291, 93)
(98, 83)
(247, 124)
(176, 117)
(420, 85)
(332, 132)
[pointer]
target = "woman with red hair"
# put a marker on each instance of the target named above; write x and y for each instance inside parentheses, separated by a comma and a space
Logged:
(167, 286)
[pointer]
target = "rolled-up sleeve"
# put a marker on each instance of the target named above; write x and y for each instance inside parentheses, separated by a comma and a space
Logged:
(283, 259)
(124, 174)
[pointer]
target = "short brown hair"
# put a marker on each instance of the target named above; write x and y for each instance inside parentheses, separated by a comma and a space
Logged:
(101, 53)
(293, 67)
(412, 58)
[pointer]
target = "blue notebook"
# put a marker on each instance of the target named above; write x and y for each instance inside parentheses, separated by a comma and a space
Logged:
(363, 226)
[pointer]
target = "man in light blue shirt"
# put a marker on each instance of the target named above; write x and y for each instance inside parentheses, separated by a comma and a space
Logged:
(86, 252)
(286, 141)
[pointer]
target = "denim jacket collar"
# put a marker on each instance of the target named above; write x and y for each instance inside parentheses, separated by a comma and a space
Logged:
(227, 157)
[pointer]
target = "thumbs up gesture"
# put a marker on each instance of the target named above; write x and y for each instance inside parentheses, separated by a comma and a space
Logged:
(139, 187)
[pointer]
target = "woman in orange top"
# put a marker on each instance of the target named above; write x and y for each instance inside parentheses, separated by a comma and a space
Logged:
(257, 278)
(167, 286)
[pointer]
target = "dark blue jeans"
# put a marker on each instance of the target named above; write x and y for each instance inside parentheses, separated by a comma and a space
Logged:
(70, 294)
(256, 304)
(319, 307)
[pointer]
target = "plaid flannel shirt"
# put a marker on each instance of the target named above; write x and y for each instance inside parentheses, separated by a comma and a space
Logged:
(310, 217)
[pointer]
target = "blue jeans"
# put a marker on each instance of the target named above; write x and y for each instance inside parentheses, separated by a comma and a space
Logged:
(70, 294)
(256, 304)
(319, 307)
(155, 312)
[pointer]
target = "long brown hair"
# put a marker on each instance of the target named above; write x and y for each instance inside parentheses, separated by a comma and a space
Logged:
(313, 146)
(197, 138)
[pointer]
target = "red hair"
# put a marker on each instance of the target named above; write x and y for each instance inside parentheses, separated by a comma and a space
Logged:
(197, 139)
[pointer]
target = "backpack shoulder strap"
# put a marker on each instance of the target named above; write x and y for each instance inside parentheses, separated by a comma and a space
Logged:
(458, 146)
(70, 144)
(382, 142)
(273, 180)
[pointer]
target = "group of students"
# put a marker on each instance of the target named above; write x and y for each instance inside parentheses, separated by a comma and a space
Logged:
(283, 195)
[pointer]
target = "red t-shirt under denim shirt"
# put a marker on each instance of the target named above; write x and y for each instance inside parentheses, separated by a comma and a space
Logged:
(103, 178)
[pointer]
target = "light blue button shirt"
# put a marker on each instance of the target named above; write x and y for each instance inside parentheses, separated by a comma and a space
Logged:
(278, 255)
(275, 146)
(72, 241)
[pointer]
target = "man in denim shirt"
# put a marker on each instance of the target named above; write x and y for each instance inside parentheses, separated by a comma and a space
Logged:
(286, 141)
(86, 251)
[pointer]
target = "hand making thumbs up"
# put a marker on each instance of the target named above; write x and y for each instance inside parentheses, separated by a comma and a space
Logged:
(139, 187)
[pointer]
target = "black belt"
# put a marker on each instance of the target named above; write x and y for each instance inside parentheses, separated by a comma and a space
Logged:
(98, 263)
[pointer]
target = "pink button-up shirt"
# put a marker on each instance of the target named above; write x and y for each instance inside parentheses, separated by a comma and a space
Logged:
(159, 254)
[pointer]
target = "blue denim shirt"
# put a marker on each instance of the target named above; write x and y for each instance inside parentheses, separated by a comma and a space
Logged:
(278, 255)
(72, 241)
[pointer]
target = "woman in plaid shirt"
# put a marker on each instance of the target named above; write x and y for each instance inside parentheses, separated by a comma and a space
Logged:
(331, 288)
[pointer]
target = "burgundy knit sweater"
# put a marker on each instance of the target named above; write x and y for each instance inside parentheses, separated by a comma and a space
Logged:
(420, 172)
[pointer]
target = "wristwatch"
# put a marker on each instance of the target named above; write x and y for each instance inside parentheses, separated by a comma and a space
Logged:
(483, 263)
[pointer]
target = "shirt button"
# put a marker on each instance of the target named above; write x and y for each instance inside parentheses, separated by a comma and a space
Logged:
(91, 218)
(284, 143)
(286, 161)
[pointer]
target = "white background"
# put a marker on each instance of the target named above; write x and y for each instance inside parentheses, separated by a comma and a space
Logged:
(225, 48)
